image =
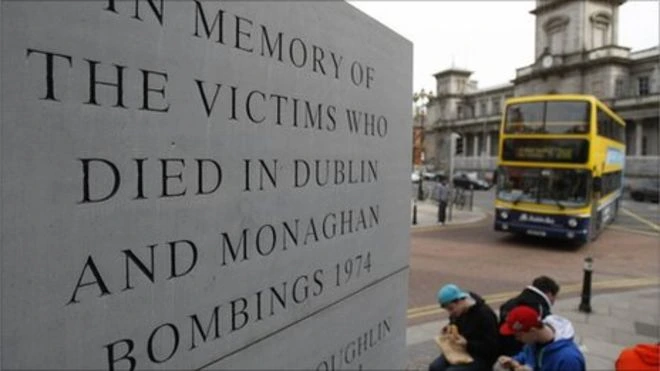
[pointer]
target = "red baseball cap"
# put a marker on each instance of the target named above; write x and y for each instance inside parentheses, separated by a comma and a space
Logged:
(520, 319)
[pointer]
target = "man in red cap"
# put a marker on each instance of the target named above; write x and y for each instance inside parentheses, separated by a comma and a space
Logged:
(540, 295)
(548, 342)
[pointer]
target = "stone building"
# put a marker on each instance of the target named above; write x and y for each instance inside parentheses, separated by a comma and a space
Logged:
(576, 51)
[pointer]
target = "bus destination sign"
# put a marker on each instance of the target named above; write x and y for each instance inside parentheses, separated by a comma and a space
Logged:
(546, 150)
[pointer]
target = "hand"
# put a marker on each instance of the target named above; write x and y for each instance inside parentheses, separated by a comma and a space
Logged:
(508, 363)
(460, 340)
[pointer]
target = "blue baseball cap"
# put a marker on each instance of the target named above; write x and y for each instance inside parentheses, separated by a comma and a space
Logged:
(449, 293)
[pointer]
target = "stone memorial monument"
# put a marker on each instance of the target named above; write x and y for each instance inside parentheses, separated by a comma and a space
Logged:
(203, 184)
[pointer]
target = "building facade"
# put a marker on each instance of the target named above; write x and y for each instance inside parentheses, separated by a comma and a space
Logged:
(576, 51)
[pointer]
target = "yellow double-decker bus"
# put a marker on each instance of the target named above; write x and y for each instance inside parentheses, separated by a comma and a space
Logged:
(560, 166)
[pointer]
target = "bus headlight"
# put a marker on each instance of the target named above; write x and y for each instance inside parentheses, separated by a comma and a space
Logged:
(572, 222)
(504, 215)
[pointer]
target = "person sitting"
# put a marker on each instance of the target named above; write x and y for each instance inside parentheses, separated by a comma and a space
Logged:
(476, 324)
(540, 295)
(548, 342)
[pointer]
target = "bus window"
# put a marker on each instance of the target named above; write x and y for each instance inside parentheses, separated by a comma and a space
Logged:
(567, 117)
(553, 117)
(524, 118)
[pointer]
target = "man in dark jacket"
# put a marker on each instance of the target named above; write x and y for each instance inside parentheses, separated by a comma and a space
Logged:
(477, 327)
(442, 195)
(541, 296)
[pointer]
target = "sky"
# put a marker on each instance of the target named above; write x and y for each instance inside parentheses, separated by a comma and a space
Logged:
(471, 34)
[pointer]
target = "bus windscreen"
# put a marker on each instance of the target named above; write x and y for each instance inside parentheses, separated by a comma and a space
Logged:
(549, 117)
(565, 188)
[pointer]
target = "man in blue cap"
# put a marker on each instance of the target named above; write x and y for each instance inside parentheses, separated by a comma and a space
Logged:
(477, 328)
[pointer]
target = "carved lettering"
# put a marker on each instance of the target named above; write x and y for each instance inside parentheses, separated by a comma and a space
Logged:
(333, 172)
(98, 280)
(183, 259)
(266, 239)
(259, 39)
(157, 10)
(164, 340)
(102, 178)
(50, 62)
(353, 350)
(366, 122)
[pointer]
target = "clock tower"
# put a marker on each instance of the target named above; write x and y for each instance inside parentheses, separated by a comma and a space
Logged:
(573, 40)
(567, 26)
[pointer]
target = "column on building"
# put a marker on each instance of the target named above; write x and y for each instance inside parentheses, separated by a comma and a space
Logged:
(638, 138)
(475, 145)
(489, 139)
(615, 26)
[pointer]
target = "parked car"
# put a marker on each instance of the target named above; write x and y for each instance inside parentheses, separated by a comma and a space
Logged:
(645, 189)
(466, 182)
(434, 177)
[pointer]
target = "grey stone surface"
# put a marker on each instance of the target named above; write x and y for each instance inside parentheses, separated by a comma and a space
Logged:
(647, 329)
(358, 342)
(627, 339)
(599, 363)
(161, 204)
(424, 332)
(424, 353)
(601, 348)
(593, 331)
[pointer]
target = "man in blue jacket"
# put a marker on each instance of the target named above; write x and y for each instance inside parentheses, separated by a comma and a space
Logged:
(548, 342)
(540, 295)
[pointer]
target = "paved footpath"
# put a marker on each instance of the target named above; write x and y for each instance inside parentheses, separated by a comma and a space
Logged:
(617, 320)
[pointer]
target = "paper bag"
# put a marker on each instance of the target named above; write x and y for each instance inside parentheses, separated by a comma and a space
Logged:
(454, 353)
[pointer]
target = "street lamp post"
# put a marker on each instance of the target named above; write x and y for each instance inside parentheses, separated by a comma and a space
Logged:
(452, 153)
(423, 97)
(482, 158)
(420, 189)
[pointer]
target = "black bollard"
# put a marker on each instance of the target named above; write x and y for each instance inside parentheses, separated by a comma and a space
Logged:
(414, 212)
(585, 303)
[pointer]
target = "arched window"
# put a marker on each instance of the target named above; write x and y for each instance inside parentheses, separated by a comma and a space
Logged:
(600, 29)
(555, 33)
